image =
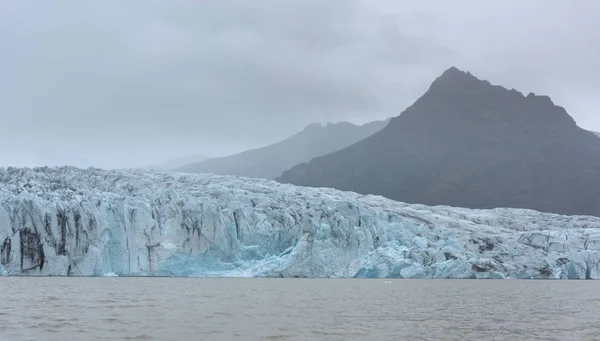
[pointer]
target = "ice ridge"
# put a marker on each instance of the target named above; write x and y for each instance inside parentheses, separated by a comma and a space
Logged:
(74, 222)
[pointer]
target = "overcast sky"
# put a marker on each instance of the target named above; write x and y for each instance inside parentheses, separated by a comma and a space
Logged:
(123, 83)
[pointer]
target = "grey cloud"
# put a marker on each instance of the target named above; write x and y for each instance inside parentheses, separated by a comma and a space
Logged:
(124, 83)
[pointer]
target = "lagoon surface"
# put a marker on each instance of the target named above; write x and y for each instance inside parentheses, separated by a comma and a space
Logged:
(53, 308)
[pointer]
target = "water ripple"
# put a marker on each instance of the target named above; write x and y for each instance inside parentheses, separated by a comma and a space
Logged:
(265, 309)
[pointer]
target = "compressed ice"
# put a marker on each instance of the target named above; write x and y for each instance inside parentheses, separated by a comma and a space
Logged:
(73, 222)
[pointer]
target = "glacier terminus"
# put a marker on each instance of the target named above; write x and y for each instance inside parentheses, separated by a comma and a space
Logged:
(66, 221)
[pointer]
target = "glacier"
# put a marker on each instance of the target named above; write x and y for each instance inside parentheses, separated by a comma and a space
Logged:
(65, 221)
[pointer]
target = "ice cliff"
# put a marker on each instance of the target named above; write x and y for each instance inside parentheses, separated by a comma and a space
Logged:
(73, 222)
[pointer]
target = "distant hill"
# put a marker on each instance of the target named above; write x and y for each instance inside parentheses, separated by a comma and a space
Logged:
(179, 162)
(270, 161)
(468, 143)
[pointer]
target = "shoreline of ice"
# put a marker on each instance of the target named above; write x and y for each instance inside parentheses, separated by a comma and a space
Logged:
(68, 221)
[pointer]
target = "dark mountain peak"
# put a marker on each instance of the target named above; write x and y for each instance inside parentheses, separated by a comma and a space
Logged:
(455, 73)
(455, 78)
(469, 143)
(467, 86)
(456, 81)
(457, 95)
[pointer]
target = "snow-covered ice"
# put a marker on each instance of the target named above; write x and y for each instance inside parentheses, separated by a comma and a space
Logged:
(69, 221)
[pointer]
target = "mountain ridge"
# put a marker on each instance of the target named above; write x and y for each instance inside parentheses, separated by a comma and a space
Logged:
(272, 160)
(469, 143)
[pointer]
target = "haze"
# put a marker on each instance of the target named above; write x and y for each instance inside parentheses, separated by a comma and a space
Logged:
(132, 83)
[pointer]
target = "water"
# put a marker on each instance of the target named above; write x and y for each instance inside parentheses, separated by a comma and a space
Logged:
(296, 309)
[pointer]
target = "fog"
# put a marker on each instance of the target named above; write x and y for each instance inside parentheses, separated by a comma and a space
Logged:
(133, 83)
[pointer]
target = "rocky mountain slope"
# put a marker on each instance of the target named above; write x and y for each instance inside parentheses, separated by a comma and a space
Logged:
(469, 143)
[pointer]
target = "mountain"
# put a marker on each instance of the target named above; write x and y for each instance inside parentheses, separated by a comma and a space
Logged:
(597, 133)
(270, 161)
(177, 163)
(73, 222)
(472, 144)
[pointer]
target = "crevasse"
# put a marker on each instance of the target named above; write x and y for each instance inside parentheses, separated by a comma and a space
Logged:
(74, 222)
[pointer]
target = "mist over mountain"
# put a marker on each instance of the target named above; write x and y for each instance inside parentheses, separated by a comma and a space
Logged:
(469, 143)
(178, 162)
(270, 161)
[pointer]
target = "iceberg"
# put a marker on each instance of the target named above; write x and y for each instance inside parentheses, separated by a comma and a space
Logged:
(65, 221)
